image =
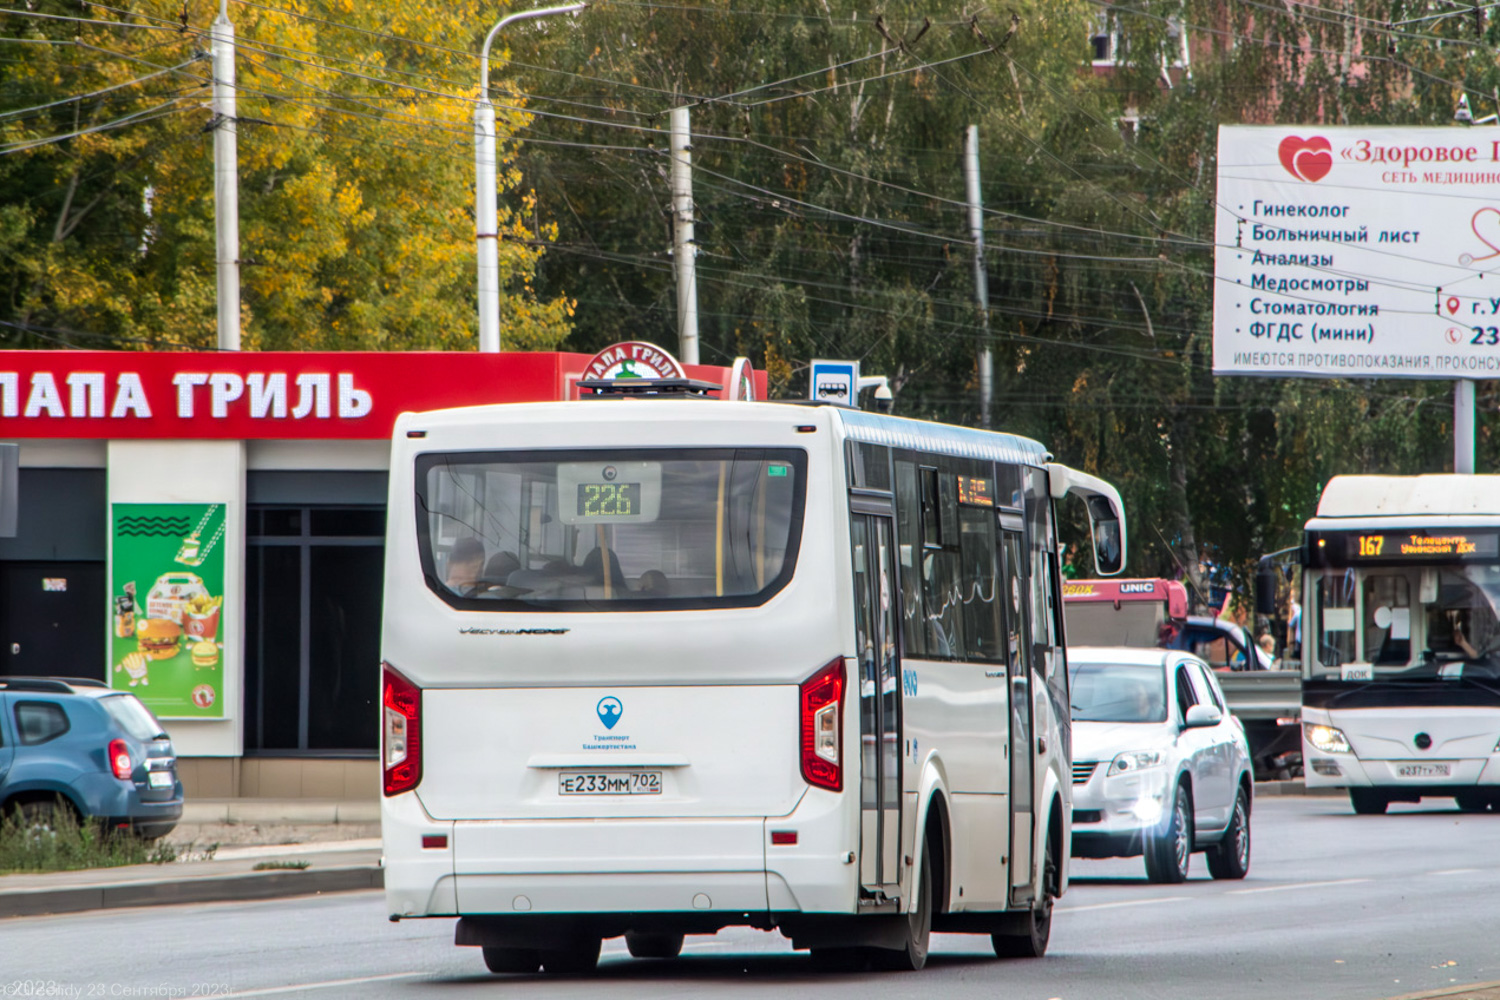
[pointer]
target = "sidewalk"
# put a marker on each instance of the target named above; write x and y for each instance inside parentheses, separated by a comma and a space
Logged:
(339, 840)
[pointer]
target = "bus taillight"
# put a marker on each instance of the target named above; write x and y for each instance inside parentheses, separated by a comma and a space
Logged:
(822, 697)
(401, 716)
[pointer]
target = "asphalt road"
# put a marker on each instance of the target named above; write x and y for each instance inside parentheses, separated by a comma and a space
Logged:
(1336, 906)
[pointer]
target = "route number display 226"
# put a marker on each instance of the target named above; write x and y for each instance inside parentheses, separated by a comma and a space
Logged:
(609, 499)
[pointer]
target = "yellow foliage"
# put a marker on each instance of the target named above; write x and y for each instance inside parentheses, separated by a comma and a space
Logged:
(356, 177)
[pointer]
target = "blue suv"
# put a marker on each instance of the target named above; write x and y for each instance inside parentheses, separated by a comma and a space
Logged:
(101, 751)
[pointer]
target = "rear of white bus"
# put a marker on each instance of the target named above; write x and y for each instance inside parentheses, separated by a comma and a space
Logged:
(614, 688)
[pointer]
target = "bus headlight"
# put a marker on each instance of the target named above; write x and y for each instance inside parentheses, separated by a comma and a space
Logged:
(1134, 761)
(1326, 739)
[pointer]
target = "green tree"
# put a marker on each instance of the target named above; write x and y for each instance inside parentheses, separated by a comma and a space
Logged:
(828, 185)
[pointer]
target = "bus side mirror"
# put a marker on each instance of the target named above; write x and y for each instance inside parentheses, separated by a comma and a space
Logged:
(1106, 513)
(1265, 588)
(1109, 553)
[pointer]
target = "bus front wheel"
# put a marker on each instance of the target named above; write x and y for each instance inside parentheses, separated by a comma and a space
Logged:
(1036, 928)
(1368, 801)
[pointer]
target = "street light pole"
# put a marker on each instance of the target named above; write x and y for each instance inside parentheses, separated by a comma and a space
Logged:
(226, 184)
(486, 222)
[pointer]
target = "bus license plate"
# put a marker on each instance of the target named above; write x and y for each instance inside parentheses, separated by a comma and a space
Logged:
(609, 783)
(1424, 771)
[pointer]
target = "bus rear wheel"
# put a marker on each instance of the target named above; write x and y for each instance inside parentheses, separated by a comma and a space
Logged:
(1368, 801)
(521, 960)
(644, 944)
(577, 959)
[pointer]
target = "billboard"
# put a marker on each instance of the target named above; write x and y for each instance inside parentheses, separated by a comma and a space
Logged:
(167, 607)
(1358, 252)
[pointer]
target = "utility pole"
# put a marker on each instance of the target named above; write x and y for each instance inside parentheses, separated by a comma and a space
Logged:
(684, 250)
(1463, 389)
(1463, 426)
(981, 278)
(226, 183)
(486, 185)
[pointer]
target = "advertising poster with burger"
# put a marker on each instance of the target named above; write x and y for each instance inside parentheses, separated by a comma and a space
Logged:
(166, 607)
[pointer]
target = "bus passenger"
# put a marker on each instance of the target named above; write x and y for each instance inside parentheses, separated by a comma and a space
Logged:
(496, 572)
(593, 569)
(653, 583)
(465, 560)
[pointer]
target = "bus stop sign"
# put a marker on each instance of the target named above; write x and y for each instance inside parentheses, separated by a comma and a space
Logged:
(834, 382)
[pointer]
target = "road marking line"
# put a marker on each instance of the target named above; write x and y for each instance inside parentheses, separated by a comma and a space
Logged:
(1124, 902)
(1456, 871)
(328, 984)
(1297, 885)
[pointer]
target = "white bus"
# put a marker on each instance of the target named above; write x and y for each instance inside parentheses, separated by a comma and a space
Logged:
(655, 667)
(1401, 650)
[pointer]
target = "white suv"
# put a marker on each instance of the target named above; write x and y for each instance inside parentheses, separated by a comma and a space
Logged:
(1160, 767)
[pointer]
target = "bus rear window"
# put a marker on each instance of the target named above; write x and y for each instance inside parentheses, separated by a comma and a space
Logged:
(610, 530)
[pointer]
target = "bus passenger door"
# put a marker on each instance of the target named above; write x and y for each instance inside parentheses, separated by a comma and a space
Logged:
(1022, 755)
(879, 705)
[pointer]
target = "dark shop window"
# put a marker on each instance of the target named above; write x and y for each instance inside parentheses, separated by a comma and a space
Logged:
(313, 587)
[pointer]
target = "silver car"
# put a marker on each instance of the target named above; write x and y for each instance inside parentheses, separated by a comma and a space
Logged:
(1160, 767)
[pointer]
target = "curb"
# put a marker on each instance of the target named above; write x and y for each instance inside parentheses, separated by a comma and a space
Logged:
(1293, 787)
(280, 811)
(1486, 990)
(202, 889)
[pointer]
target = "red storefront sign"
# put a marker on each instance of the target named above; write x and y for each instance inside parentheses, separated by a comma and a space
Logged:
(116, 395)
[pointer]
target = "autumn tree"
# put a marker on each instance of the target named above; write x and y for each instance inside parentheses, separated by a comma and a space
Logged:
(356, 178)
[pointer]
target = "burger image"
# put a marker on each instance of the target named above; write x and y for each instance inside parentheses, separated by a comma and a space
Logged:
(158, 638)
(205, 654)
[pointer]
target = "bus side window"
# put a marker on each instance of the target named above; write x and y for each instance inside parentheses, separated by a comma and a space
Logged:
(1387, 619)
(932, 536)
(909, 565)
(981, 605)
(1040, 541)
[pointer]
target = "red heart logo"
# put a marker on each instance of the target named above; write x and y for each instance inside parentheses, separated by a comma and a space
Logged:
(1306, 159)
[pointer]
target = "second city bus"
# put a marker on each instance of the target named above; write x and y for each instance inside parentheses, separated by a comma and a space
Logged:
(1401, 648)
(655, 667)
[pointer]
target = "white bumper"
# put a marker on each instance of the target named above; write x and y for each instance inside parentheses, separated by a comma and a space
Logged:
(621, 866)
(1398, 763)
